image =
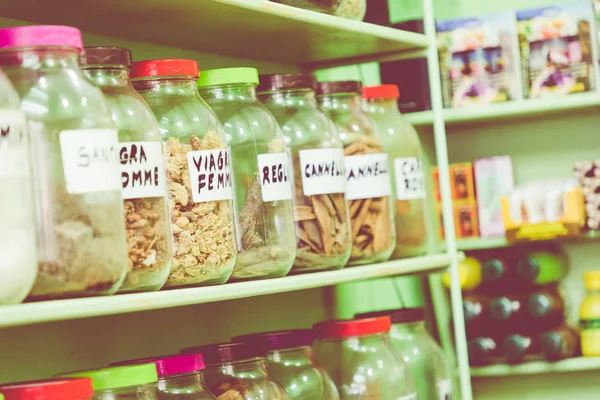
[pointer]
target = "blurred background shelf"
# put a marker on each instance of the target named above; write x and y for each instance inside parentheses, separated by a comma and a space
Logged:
(500, 242)
(538, 367)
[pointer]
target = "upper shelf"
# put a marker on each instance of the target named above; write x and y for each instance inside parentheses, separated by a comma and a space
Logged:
(58, 310)
(539, 367)
(500, 242)
(251, 29)
(509, 110)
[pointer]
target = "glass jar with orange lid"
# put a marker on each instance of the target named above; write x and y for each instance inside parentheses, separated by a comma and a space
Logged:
(589, 315)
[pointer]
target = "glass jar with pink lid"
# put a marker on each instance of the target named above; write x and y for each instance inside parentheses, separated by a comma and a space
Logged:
(81, 235)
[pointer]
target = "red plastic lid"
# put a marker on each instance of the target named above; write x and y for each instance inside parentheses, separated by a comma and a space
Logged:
(350, 328)
(165, 67)
(381, 92)
(49, 389)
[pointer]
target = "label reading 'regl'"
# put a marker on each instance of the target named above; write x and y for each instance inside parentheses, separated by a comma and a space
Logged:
(210, 175)
(274, 178)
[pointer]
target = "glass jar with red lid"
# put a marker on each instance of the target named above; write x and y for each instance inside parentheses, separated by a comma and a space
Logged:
(49, 389)
(198, 164)
(358, 356)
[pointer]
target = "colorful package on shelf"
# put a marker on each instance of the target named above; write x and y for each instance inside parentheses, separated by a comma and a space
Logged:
(588, 175)
(558, 49)
(461, 181)
(435, 173)
(543, 210)
(479, 60)
(493, 179)
(466, 222)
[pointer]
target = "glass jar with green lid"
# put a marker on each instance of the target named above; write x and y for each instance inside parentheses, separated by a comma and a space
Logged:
(320, 207)
(199, 167)
(142, 169)
(132, 382)
(260, 162)
(368, 181)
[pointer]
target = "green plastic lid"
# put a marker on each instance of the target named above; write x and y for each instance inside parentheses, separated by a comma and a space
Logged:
(228, 76)
(118, 377)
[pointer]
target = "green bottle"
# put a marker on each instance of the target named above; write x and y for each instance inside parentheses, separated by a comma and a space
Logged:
(542, 267)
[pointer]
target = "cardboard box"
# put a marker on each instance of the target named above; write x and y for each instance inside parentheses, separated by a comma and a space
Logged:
(493, 179)
(466, 222)
(461, 181)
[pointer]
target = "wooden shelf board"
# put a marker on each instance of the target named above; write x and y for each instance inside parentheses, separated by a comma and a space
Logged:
(538, 367)
(251, 29)
(58, 310)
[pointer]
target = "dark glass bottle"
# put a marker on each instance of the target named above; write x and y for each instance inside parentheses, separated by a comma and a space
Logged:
(483, 349)
(517, 347)
(546, 309)
(542, 268)
(476, 309)
(559, 343)
(508, 309)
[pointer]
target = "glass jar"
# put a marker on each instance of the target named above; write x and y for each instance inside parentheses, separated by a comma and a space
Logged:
(143, 174)
(81, 236)
(18, 267)
(425, 361)
(351, 9)
(179, 377)
(49, 389)
(320, 207)
(368, 186)
(237, 371)
(290, 361)
(263, 190)
(358, 357)
(132, 382)
(198, 164)
(401, 143)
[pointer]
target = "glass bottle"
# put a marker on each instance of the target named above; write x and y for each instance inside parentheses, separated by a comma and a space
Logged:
(401, 143)
(542, 268)
(82, 249)
(368, 184)
(589, 315)
(476, 309)
(425, 361)
(199, 169)
(320, 209)
(49, 389)
(517, 347)
(483, 350)
(238, 371)
(263, 190)
(358, 356)
(179, 377)
(509, 309)
(546, 308)
(132, 382)
(142, 164)
(290, 361)
(18, 267)
(560, 343)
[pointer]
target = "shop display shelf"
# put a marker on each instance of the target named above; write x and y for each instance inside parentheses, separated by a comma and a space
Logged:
(58, 310)
(500, 242)
(251, 29)
(538, 367)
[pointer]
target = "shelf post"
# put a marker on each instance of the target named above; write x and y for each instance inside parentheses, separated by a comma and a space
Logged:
(441, 151)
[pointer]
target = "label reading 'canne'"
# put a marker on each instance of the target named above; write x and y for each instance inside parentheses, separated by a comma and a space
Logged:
(14, 152)
(142, 169)
(410, 178)
(274, 177)
(367, 176)
(322, 171)
(210, 175)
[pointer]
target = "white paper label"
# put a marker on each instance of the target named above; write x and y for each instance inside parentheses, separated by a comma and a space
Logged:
(412, 396)
(322, 171)
(445, 389)
(274, 177)
(410, 178)
(142, 169)
(210, 175)
(367, 176)
(14, 151)
(90, 160)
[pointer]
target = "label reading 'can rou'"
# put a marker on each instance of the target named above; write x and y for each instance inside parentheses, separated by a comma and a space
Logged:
(445, 389)
(367, 176)
(210, 175)
(142, 169)
(14, 152)
(274, 177)
(322, 171)
(410, 178)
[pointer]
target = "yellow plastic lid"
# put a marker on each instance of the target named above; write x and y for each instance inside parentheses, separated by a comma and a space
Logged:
(592, 280)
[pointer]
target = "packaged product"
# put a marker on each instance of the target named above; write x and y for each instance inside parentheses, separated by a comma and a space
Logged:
(493, 179)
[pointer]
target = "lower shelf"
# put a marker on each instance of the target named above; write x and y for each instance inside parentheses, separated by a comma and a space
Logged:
(538, 367)
(57, 310)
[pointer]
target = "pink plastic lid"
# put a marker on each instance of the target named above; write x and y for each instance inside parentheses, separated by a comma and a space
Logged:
(170, 365)
(41, 35)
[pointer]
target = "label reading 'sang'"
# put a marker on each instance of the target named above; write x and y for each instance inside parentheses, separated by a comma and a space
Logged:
(445, 389)
(410, 178)
(210, 175)
(367, 176)
(322, 171)
(90, 160)
(14, 151)
(142, 169)
(274, 176)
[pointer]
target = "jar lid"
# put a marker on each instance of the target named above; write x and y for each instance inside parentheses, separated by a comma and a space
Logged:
(106, 55)
(170, 365)
(381, 92)
(49, 389)
(350, 328)
(226, 352)
(592, 280)
(164, 67)
(227, 76)
(339, 87)
(40, 36)
(397, 316)
(118, 377)
(278, 340)
(274, 82)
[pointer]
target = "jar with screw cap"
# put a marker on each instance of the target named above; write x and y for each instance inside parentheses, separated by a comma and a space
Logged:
(142, 165)
(199, 168)
(320, 208)
(49, 389)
